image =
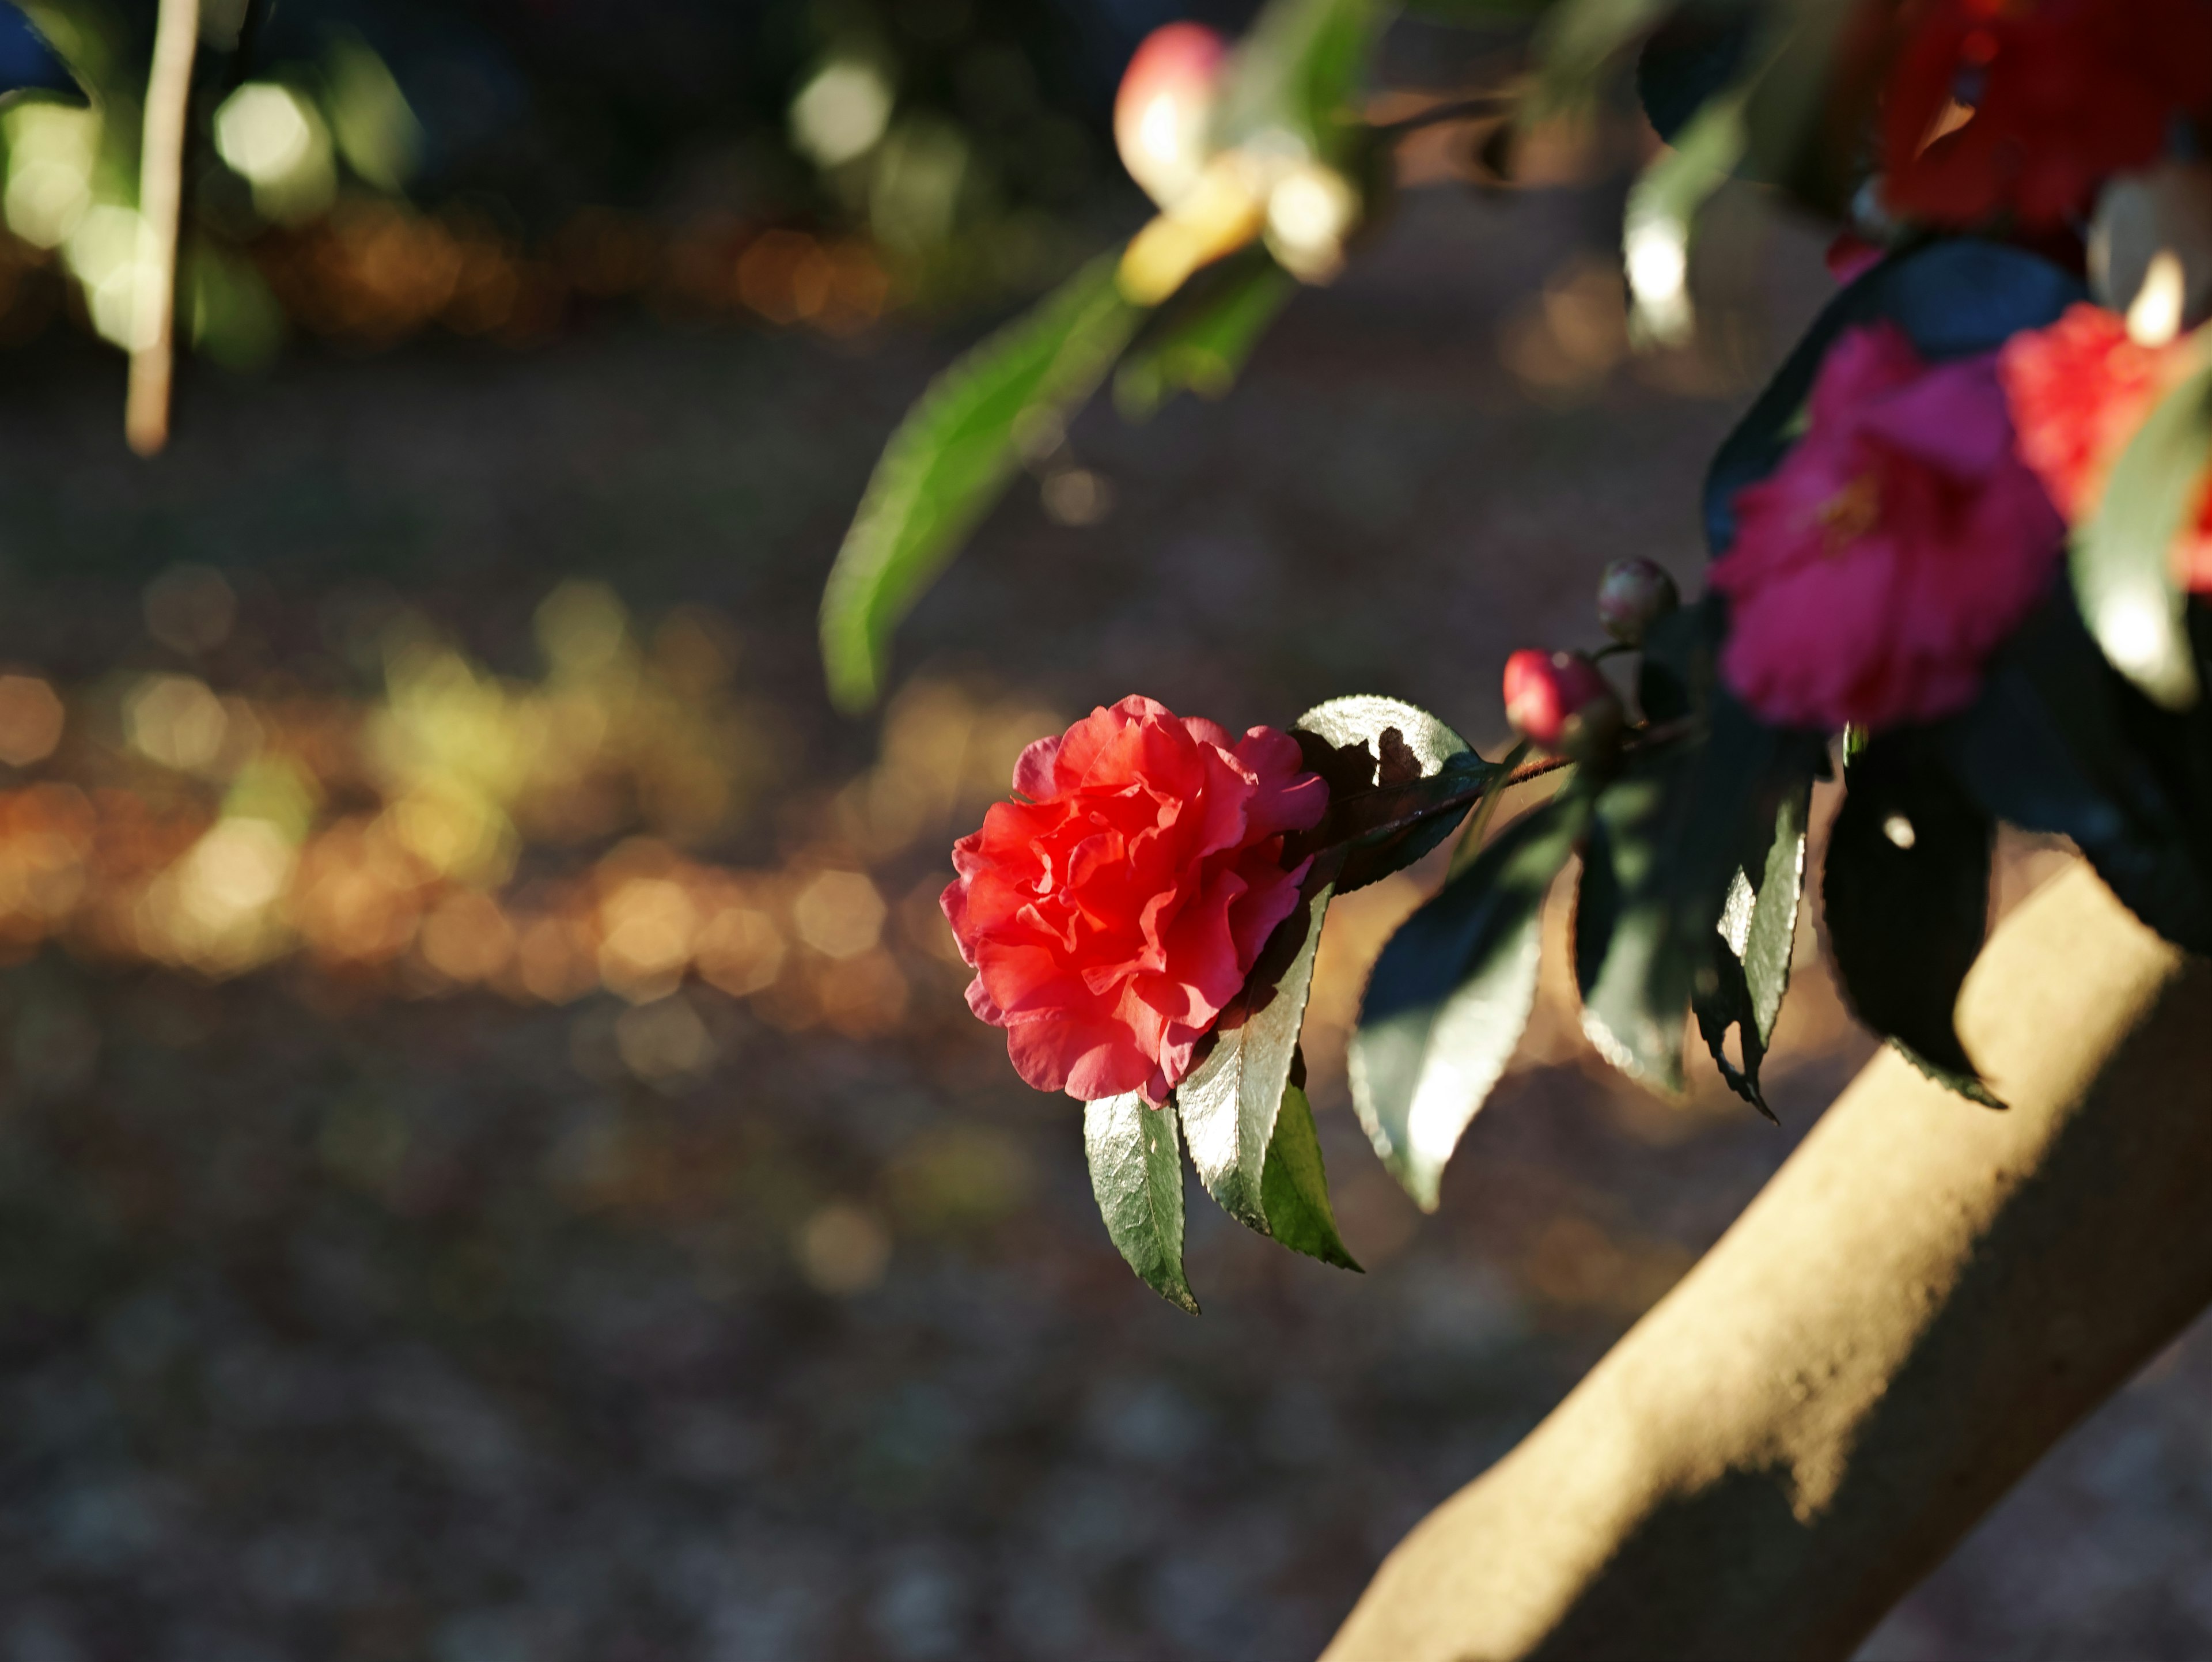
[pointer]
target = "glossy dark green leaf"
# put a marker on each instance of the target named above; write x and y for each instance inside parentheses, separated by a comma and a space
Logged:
(1954, 298)
(29, 66)
(1662, 854)
(1450, 994)
(1399, 780)
(1295, 1187)
(1751, 959)
(1906, 889)
(1692, 57)
(2059, 742)
(1229, 1101)
(1202, 340)
(952, 458)
(1136, 1174)
(2123, 563)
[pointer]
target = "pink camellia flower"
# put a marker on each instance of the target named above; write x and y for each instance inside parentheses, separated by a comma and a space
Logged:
(1111, 916)
(1899, 541)
(2079, 389)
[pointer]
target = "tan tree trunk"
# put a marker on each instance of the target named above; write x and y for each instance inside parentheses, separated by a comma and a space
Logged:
(1925, 1299)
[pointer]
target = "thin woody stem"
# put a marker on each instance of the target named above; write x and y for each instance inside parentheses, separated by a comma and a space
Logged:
(161, 191)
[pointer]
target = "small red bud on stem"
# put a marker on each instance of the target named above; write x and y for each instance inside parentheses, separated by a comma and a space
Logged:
(1562, 702)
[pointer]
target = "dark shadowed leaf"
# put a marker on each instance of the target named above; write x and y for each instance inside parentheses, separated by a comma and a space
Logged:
(1229, 1101)
(1295, 1191)
(2059, 742)
(1668, 837)
(1450, 994)
(1906, 888)
(1202, 340)
(29, 67)
(1136, 1173)
(951, 458)
(1953, 298)
(2123, 563)
(1690, 59)
(1399, 780)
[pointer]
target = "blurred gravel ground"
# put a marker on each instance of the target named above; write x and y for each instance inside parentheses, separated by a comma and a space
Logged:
(343, 1327)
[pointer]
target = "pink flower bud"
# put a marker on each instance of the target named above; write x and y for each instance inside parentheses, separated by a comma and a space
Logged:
(1559, 701)
(1165, 106)
(1632, 596)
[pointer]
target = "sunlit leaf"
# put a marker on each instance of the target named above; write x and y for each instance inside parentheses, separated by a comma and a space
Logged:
(1450, 994)
(1751, 958)
(1662, 854)
(1136, 1174)
(2122, 563)
(1201, 342)
(951, 458)
(1399, 780)
(1229, 1101)
(1656, 225)
(1295, 1189)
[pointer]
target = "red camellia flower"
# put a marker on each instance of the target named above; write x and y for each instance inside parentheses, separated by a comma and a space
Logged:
(1899, 542)
(2078, 391)
(2024, 107)
(1111, 916)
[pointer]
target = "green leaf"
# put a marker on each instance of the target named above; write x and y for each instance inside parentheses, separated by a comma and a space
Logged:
(1751, 963)
(1295, 1187)
(952, 458)
(1662, 855)
(1450, 994)
(1576, 45)
(2060, 742)
(1662, 205)
(1204, 338)
(1906, 888)
(1136, 1173)
(1399, 780)
(1229, 1101)
(2123, 563)
(1299, 68)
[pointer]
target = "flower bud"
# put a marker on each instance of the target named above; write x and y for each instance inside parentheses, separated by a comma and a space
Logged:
(1561, 702)
(1164, 107)
(1632, 596)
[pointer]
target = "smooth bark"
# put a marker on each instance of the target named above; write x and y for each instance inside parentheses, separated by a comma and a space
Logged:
(1922, 1301)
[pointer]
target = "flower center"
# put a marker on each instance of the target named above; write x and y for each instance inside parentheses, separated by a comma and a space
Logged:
(1851, 512)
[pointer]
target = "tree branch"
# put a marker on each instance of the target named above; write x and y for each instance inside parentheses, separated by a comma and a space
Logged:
(1925, 1299)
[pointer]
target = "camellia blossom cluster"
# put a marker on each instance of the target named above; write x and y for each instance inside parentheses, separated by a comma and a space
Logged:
(1111, 916)
(2079, 390)
(1898, 544)
(2024, 108)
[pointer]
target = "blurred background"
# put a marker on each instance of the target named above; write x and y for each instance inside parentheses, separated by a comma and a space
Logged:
(494, 1164)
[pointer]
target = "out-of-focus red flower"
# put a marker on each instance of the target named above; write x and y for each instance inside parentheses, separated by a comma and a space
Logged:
(2025, 106)
(1902, 539)
(1111, 918)
(2078, 391)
